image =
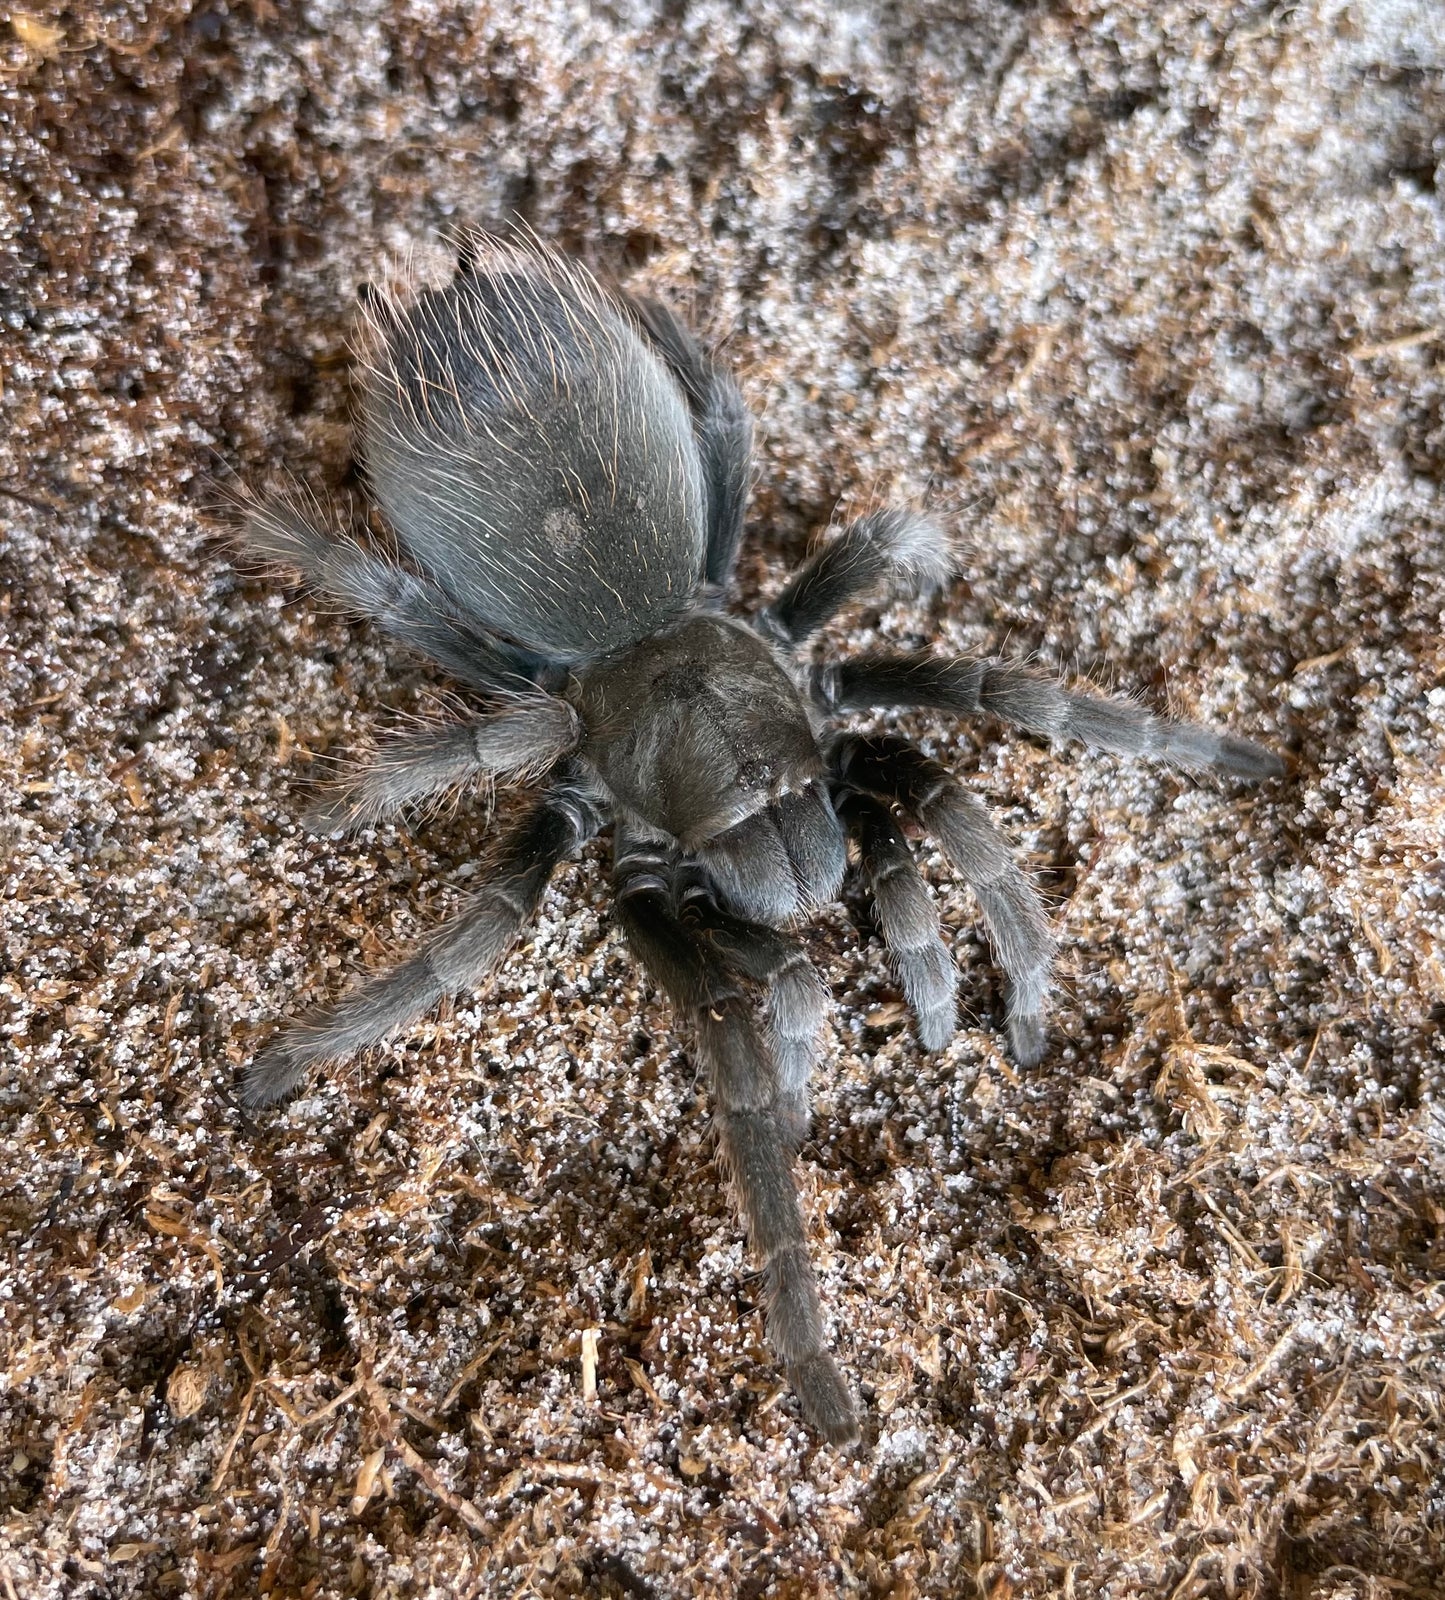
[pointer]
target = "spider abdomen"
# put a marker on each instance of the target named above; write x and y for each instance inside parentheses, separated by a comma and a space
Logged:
(534, 456)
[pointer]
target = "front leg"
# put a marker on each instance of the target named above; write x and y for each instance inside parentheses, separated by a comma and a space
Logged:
(907, 917)
(753, 1151)
(796, 999)
(1023, 943)
(458, 956)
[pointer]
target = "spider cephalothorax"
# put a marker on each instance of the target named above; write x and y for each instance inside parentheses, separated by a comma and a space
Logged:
(565, 474)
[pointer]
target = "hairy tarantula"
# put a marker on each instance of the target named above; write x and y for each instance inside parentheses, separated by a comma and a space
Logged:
(566, 472)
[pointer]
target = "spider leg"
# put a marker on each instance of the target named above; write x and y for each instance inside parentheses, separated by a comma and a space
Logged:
(797, 1004)
(1012, 693)
(458, 956)
(796, 1000)
(723, 427)
(705, 988)
(907, 916)
(1023, 944)
(410, 607)
(892, 543)
(526, 739)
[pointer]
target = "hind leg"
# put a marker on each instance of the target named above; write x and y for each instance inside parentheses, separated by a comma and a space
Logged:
(893, 545)
(410, 607)
(723, 427)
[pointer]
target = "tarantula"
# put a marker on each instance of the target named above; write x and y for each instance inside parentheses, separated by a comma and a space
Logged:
(565, 472)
